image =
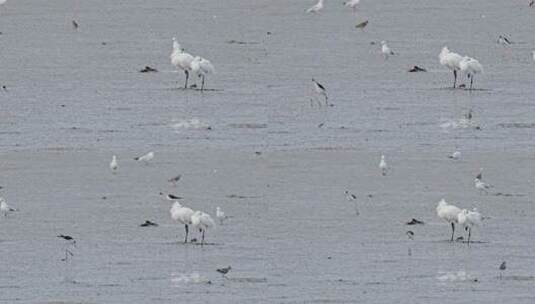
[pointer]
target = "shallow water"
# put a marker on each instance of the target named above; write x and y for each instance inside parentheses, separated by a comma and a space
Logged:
(72, 102)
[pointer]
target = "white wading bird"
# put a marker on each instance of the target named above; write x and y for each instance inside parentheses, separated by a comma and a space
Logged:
(386, 50)
(182, 215)
(469, 219)
(202, 67)
(202, 221)
(449, 213)
(450, 60)
(181, 60)
(316, 8)
(470, 67)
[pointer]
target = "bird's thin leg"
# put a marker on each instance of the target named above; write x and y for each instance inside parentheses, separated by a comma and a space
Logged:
(202, 239)
(452, 231)
(471, 81)
(454, 78)
(469, 233)
(202, 85)
(187, 77)
(187, 230)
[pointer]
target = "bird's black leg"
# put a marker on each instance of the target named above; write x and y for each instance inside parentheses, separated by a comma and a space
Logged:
(469, 233)
(471, 81)
(452, 231)
(187, 230)
(202, 239)
(454, 78)
(187, 77)
(202, 85)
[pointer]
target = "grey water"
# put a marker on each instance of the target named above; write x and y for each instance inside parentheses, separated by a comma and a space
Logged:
(74, 97)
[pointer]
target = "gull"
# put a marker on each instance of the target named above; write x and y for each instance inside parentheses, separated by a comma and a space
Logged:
(202, 221)
(183, 215)
(316, 8)
(352, 4)
(202, 67)
(470, 67)
(175, 179)
(181, 60)
(481, 186)
(383, 166)
(455, 155)
(220, 215)
(5, 208)
(362, 25)
(146, 157)
(352, 198)
(450, 60)
(224, 270)
(449, 213)
(113, 164)
(469, 219)
(386, 50)
(320, 89)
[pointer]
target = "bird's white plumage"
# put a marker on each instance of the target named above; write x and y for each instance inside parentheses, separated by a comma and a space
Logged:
(202, 67)
(455, 155)
(469, 218)
(220, 214)
(470, 67)
(448, 212)
(352, 4)
(179, 58)
(382, 165)
(316, 7)
(113, 164)
(451, 60)
(386, 50)
(146, 157)
(4, 207)
(2, 2)
(202, 220)
(481, 186)
(181, 214)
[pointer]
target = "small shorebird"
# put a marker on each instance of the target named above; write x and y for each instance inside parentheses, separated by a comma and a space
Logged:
(320, 89)
(113, 164)
(503, 40)
(383, 166)
(362, 25)
(410, 234)
(455, 155)
(70, 241)
(352, 4)
(224, 270)
(146, 157)
(502, 268)
(5, 208)
(386, 50)
(352, 198)
(175, 179)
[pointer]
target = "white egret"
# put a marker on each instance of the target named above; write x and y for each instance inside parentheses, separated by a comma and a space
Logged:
(202, 221)
(202, 67)
(181, 60)
(182, 215)
(449, 213)
(469, 219)
(451, 60)
(470, 67)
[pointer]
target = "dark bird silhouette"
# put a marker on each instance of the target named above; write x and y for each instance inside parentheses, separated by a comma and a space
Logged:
(531, 3)
(362, 25)
(502, 268)
(415, 222)
(148, 69)
(417, 69)
(224, 271)
(75, 24)
(175, 179)
(410, 234)
(173, 197)
(66, 237)
(148, 224)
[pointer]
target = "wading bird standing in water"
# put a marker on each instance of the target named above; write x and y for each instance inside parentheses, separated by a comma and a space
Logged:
(469, 219)
(202, 67)
(470, 67)
(202, 221)
(113, 164)
(5, 208)
(386, 50)
(449, 213)
(181, 60)
(182, 215)
(320, 90)
(450, 60)
(383, 166)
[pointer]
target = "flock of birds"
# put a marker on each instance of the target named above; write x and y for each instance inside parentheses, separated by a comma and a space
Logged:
(186, 62)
